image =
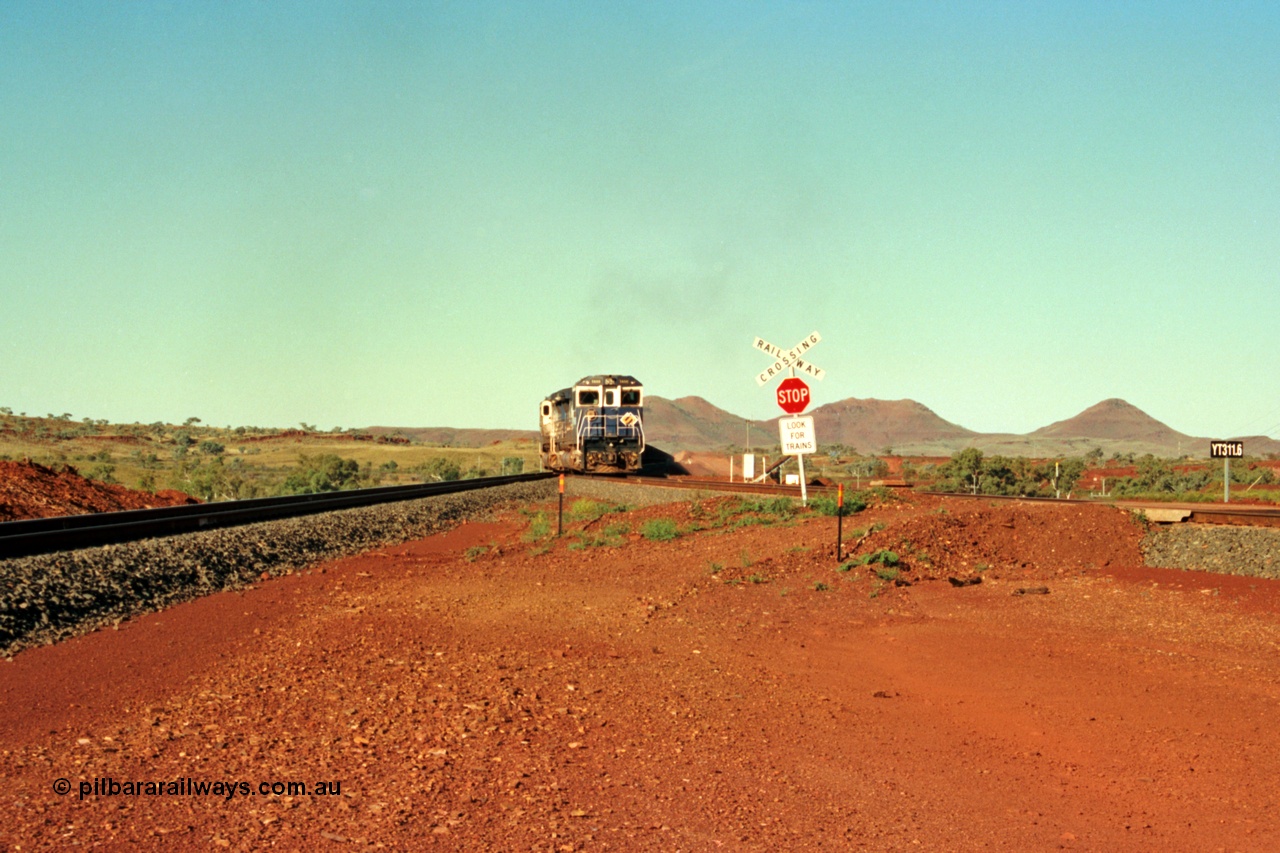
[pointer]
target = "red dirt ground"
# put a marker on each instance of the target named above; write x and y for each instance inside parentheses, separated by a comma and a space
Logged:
(28, 490)
(475, 691)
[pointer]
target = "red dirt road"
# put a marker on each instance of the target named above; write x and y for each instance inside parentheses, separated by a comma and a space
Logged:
(698, 694)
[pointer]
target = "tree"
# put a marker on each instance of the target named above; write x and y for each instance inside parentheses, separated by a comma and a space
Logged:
(326, 473)
(211, 448)
(968, 463)
(438, 469)
(1064, 473)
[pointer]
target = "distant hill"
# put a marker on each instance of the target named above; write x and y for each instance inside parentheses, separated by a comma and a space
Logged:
(1118, 420)
(871, 426)
(691, 423)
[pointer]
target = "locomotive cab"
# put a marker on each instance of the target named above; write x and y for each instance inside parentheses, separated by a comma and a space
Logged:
(608, 414)
(597, 425)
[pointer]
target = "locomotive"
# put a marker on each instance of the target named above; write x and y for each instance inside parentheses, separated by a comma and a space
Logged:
(596, 426)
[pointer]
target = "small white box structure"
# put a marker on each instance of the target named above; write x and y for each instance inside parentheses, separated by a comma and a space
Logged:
(748, 466)
(793, 479)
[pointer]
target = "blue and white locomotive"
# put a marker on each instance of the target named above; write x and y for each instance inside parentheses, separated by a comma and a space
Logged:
(595, 426)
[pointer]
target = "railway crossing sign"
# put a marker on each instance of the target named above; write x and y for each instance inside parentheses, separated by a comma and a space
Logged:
(789, 359)
(793, 395)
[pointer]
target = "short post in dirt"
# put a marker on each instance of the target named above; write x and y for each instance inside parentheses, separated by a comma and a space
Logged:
(560, 514)
(839, 520)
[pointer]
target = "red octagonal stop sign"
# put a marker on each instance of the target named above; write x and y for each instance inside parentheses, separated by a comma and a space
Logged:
(793, 396)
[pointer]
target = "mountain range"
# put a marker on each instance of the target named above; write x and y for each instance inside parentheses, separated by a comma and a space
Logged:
(910, 428)
(873, 426)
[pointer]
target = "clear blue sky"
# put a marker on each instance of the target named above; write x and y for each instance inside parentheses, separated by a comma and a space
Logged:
(420, 214)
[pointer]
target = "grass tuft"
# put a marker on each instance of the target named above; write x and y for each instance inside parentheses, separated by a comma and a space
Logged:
(659, 530)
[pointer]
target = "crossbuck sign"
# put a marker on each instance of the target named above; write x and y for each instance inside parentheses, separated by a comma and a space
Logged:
(788, 359)
(796, 433)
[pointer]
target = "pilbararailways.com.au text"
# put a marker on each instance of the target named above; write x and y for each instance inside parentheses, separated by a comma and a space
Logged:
(228, 789)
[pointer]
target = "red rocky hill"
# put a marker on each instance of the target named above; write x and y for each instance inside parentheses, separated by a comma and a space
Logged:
(28, 490)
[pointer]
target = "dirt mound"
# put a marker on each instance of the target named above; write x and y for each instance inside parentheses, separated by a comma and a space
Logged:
(28, 490)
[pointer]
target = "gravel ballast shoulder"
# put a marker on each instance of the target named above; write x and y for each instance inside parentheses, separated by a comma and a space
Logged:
(48, 597)
(619, 492)
(1248, 551)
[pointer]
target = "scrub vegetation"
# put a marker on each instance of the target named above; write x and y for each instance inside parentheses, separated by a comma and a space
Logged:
(227, 463)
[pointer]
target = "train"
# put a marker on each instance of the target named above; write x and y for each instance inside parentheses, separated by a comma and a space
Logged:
(594, 427)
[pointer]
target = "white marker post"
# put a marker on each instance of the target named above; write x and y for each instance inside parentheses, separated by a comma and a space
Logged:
(797, 439)
(1226, 451)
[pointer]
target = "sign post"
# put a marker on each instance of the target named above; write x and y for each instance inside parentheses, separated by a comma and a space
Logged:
(560, 514)
(793, 397)
(1226, 451)
(796, 435)
(839, 520)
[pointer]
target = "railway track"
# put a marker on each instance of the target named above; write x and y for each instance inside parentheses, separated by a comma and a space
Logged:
(707, 484)
(69, 532)
(1217, 513)
(62, 533)
(1251, 515)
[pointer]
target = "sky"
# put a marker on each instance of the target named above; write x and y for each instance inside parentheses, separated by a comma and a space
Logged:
(437, 213)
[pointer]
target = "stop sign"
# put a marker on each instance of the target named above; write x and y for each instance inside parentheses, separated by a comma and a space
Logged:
(793, 396)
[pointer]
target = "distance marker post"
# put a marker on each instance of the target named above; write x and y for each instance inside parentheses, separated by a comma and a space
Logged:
(839, 520)
(560, 515)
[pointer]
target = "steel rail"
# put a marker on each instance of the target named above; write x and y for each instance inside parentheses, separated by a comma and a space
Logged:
(711, 485)
(69, 532)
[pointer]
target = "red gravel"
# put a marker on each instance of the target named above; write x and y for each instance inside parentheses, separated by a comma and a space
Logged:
(475, 691)
(28, 490)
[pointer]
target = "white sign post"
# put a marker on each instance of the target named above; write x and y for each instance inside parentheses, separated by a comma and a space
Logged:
(797, 438)
(790, 361)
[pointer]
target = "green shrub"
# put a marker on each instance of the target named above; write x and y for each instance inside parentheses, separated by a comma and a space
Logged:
(325, 473)
(659, 530)
(438, 470)
(585, 509)
(883, 557)
(539, 527)
(826, 504)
